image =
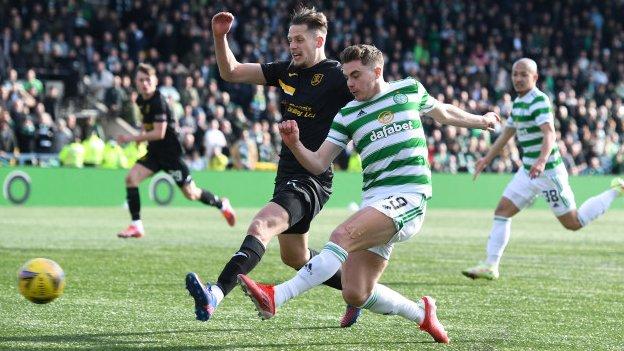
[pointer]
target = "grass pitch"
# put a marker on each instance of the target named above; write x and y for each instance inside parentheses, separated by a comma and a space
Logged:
(558, 289)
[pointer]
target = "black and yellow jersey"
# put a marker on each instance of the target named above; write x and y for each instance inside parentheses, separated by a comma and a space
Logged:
(156, 109)
(312, 96)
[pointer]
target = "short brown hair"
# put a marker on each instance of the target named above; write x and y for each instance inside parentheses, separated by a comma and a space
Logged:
(367, 54)
(315, 20)
(147, 69)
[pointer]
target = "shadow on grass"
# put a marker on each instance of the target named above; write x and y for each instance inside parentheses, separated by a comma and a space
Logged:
(134, 341)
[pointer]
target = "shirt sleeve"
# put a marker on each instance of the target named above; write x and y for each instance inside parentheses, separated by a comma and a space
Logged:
(160, 110)
(338, 132)
(541, 111)
(273, 71)
(426, 101)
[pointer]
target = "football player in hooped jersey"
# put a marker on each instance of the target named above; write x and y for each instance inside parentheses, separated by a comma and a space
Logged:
(543, 172)
(312, 90)
(164, 152)
(384, 123)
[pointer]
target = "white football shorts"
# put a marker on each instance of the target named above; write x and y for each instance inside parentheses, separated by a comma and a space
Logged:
(408, 213)
(553, 185)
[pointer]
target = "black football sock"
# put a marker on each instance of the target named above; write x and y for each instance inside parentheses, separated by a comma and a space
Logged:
(210, 199)
(134, 203)
(242, 262)
(333, 282)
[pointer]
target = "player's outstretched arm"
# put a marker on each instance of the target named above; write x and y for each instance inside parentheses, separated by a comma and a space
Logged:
(314, 161)
(453, 115)
(496, 148)
(230, 69)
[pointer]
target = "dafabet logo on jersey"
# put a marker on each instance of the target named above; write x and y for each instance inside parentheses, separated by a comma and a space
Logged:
(316, 79)
(390, 129)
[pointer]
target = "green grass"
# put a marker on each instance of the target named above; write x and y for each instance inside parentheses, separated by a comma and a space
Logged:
(558, 289)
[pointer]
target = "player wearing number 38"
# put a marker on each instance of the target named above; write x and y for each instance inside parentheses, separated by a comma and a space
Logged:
(543, 172)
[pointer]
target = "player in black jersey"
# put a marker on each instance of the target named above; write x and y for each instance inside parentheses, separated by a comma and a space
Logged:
(313, 89)
(164, 152)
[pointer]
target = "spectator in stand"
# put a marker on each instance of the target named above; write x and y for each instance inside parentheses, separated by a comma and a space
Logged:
(52, 101)
(244, 152)
(189, 94)
(168, 90)
(62, 136)
(32, 84)
(44, 134)
(26, 131)
(187, 124)
(8, 143)
(100, 80)
(114, 98)
(213, 139)
(266, 150)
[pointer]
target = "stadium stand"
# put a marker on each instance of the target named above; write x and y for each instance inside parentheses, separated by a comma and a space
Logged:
(66, 68)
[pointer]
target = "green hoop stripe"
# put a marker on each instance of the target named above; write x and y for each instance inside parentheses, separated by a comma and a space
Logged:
(371, 300)
(410, 89)
(392, 150)
(336, 250)
(410, 161)
(399, 180)
(525, 105)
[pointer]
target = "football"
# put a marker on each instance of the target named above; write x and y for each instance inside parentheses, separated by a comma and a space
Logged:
(41, 280)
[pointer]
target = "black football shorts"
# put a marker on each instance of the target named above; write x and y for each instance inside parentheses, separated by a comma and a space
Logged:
(175, 167)
(303, 198)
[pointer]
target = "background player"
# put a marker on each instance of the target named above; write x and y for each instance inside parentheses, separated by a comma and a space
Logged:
(543, 172)
(312, 91)
(384, 123)
(164, 152)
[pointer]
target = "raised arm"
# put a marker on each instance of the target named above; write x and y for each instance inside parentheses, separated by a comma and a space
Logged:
(230, 69)
(314, 161)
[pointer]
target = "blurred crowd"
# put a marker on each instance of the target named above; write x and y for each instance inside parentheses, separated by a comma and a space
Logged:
(461, 51)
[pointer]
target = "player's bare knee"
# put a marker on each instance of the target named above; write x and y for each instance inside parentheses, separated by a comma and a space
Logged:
(259, 229)
(342, 235)
(131, 181)
(256, 226)
(354, 296)
(501, 210)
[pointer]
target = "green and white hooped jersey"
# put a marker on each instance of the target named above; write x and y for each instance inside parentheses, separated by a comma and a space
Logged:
(388, 135)
(528, 113)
